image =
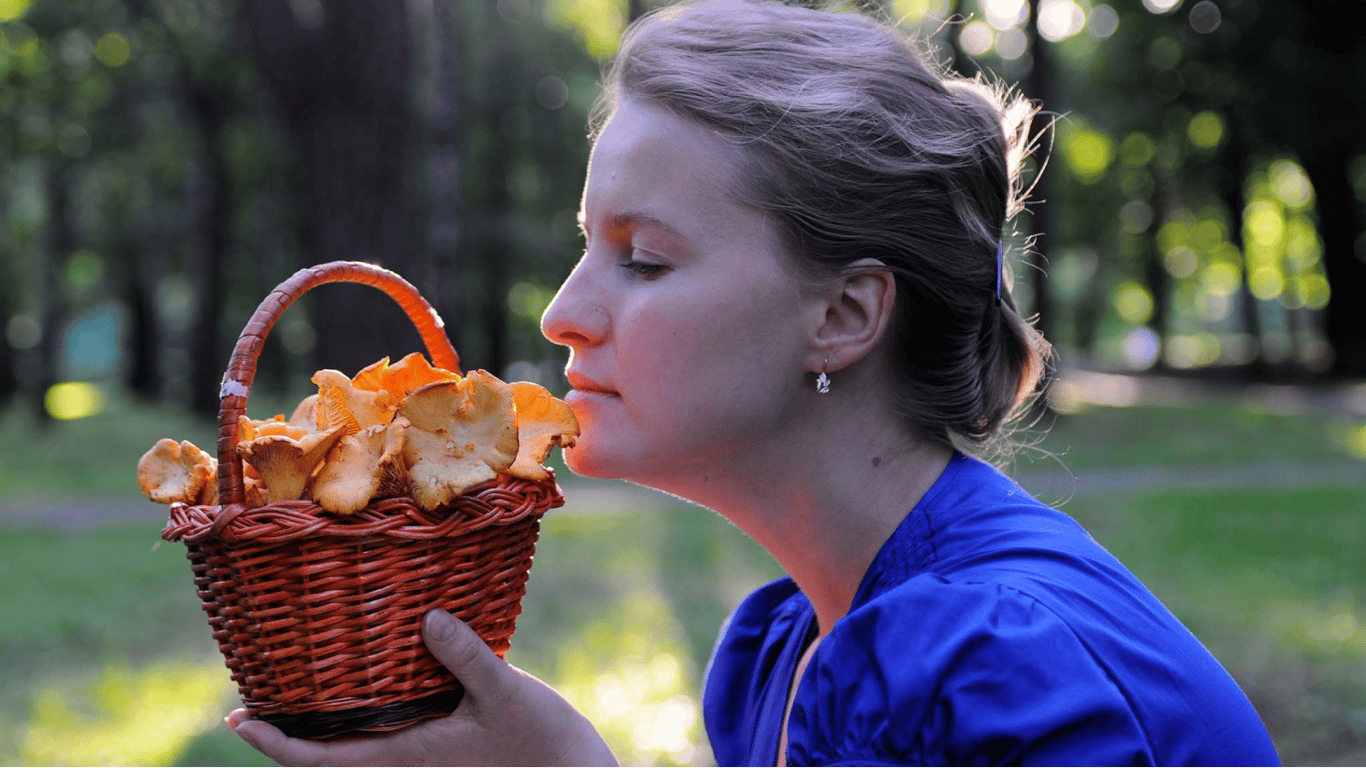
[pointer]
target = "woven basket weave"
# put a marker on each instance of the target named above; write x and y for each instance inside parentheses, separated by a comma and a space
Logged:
(318, 615)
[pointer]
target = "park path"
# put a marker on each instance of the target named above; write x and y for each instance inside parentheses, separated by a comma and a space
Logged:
(1053, 485)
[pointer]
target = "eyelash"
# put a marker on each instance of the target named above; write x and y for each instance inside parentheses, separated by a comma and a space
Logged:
(643, 269)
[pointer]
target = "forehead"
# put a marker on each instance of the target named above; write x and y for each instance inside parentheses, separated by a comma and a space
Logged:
(650, 159)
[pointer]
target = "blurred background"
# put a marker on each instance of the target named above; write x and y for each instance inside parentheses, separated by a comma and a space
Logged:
(1195, 250)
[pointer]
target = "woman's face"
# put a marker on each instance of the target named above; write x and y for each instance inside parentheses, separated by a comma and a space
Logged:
(688, 336)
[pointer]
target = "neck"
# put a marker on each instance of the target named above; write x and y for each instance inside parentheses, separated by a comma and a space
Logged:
(824, 501)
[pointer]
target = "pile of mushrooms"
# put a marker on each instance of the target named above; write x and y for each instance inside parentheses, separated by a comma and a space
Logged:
(407, 429)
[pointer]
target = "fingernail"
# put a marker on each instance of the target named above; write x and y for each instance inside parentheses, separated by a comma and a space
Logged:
(438, 625)
(245, 732)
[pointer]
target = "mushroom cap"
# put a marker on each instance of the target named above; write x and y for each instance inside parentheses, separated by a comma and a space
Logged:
(249, 429)
(402, 378)
(543, 420)
(462, 433)
(371, 377)
(286, 463)
(357, 467)
(341, 404)
(306, 413)
(171, 471)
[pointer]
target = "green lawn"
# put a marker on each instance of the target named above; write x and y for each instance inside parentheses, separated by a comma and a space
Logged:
(108, 659)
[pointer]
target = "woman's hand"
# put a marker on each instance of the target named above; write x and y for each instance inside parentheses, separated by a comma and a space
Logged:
(506, 717)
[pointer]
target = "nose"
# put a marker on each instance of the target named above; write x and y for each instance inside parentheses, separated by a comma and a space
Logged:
(577, 315)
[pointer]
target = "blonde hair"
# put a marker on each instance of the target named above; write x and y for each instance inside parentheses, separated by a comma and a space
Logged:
(861, 150)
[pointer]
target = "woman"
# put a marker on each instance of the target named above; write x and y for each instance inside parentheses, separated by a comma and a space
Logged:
(790, 309)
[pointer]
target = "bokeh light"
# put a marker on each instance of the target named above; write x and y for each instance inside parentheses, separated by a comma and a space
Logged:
(1205, 17)
(1060, 19)
(976, 38)
(1141, 348)
(1087, 152)
(1012, 43)
(72, 400)
(1102, 22)
(13, 9)
(113, 50)
(1161, 6)
(1133, 303)
(23, 332)
(1206, 130)
(1005, 14)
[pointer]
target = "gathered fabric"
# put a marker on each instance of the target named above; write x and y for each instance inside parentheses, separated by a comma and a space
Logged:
(990, 629)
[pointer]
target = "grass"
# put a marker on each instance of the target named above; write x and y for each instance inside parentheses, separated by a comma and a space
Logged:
(108, 659)
(1272, 582)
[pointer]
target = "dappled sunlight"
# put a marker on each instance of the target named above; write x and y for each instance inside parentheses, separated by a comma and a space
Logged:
(1319, 630)
(124, 716)
(1352, 438)
(629, 673)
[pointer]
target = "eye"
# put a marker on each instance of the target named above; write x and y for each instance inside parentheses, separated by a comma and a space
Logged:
(642, 267)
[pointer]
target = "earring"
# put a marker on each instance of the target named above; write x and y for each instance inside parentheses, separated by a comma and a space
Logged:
(823, 381)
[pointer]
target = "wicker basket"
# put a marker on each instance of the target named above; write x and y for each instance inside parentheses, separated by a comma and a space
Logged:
(318, 615)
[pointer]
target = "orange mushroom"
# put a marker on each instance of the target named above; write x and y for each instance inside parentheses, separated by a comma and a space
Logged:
(462, 433)
(306, 413)
(341, 404)
(402, 378)
(362, 466)
(172, 472)
(286, 463)
(542, 421)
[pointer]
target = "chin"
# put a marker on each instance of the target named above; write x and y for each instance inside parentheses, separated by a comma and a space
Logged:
(583, 462)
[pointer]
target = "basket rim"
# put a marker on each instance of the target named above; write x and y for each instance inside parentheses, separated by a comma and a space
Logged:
(503, 501)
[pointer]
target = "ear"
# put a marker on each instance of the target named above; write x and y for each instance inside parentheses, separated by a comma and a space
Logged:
(858, 310)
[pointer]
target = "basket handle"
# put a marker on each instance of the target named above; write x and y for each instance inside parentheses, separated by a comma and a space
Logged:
(241, 370)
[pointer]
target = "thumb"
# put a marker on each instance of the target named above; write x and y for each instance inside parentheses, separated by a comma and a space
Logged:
(463, 652)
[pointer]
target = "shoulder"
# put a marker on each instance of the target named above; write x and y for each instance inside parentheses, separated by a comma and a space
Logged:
(747, 650)
(960, 673)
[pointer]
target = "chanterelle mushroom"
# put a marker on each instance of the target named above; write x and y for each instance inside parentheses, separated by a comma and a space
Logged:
(306, 413)
(402, 378)
(542, 421)
(462, 433)
(249, 429)
(285, 463)
(341, 404)
(172, 472)
(361, 467)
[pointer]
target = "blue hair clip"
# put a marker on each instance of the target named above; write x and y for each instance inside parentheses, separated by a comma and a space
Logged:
(1000, 267)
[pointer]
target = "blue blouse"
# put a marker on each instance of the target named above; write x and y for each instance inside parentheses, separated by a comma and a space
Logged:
(989, 629)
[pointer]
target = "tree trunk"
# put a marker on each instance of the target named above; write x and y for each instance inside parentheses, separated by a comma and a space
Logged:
(1154, 268)
(1039, 86)
(494, 246)
(61, 241)
(1339, 225)
(208, 349)
(449, 122)
(9, 380)
(341, 80)
(143, 339)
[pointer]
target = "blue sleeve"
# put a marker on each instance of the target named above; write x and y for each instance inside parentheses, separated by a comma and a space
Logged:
(960, 674)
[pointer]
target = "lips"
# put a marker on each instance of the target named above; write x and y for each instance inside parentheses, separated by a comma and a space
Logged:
(582, 383)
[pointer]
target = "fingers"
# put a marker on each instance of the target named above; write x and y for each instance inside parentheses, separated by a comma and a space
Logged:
(273, 743)
(463, 652)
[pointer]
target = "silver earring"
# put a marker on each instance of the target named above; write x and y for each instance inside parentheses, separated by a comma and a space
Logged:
(823, 381)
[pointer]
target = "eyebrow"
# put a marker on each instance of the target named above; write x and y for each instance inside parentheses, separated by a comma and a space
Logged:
(635, 219)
